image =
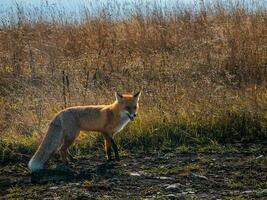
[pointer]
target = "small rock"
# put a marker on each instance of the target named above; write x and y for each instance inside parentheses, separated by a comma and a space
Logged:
(140, 173)
(199, 176)
(173, 186)
(135, 174)
(164, 178)
(247, 192)
(260, 156)
(188, 189)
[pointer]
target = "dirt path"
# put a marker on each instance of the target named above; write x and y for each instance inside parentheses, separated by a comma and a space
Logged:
(240, 173)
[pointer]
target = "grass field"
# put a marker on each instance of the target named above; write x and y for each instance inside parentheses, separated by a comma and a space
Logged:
(202, 72)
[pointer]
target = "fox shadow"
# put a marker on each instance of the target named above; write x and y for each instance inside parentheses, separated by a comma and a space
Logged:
(69, 173)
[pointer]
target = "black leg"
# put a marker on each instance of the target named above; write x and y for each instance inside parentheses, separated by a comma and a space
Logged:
(115, 149)
(108, 154)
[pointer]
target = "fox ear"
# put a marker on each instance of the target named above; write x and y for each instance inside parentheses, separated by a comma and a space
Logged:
(118, 96)
(137, 95)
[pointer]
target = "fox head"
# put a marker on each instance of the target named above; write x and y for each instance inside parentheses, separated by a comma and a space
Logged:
(128, 104)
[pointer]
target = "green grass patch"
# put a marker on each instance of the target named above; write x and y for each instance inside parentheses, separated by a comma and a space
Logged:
(151, 132)
(180, 170)
(251, 178)
(154, 133)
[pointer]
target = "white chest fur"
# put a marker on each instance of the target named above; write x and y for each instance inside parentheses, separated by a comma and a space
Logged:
(124, 120)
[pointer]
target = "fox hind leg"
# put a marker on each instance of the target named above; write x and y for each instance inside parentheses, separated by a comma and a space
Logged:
(68, 140)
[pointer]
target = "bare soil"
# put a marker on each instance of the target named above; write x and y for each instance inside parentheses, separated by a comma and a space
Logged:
(240, 173)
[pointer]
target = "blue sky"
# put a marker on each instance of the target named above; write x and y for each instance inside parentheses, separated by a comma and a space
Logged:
(8, 3)
(72, 7)
(74, 4)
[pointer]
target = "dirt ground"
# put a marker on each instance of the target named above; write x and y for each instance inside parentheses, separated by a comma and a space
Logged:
(238, 173)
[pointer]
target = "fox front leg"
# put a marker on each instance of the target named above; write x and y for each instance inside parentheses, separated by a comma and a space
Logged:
(108, 147)
(115, 149)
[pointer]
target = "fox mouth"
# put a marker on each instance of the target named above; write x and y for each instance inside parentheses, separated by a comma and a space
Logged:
(131, 117)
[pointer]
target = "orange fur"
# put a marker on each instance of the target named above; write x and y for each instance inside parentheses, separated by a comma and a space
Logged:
(65, 127)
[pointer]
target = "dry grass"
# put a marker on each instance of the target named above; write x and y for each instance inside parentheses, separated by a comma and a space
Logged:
(202, 71)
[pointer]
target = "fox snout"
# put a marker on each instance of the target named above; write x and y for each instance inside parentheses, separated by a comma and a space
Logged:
(131, 116)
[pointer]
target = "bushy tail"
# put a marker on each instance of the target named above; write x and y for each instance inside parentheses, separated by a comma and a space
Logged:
(49, 144)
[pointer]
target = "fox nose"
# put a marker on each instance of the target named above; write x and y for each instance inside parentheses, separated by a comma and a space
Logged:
(134, 115)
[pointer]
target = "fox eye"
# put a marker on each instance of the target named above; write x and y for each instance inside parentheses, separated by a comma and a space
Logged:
(135, 107)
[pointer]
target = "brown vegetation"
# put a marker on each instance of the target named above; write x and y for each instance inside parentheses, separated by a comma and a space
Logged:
(202, 71)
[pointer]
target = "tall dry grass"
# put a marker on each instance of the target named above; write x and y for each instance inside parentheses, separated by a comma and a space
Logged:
(202, 69)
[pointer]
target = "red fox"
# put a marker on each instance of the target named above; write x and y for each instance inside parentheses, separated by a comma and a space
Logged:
(66, 125)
